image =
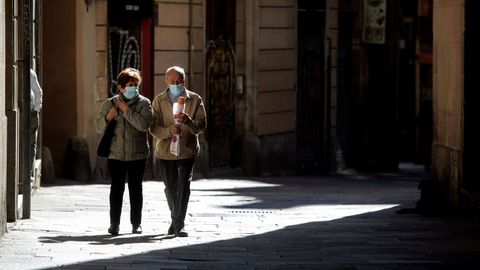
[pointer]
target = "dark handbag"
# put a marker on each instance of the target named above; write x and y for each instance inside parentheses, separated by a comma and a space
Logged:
(103, 149)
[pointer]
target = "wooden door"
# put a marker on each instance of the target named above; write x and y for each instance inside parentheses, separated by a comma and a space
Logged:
(130, 24)
(220, 75)
(220, 72)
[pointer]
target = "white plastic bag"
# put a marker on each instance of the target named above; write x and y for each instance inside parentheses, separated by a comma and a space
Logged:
(175, 145)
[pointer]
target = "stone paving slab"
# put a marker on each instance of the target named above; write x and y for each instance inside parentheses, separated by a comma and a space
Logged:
(341, 222)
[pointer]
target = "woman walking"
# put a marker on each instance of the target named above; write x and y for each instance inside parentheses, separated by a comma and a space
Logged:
(129, 148)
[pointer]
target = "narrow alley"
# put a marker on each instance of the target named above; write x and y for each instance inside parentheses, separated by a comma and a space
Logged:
(338, 222)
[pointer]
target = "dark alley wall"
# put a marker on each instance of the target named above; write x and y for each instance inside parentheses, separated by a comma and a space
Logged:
(471, 97)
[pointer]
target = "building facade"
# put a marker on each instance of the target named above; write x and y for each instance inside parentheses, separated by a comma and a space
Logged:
(241, 56)
(17, 57)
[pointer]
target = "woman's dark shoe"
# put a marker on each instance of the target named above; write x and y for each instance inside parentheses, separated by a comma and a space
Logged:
(137, 229)
(114, 229)
(171, 231)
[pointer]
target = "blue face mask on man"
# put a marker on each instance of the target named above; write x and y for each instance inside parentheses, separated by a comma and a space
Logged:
(176, 89)
(131, 92)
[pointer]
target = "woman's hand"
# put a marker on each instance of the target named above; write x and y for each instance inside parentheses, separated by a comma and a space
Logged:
(122, 105)
(112, 113)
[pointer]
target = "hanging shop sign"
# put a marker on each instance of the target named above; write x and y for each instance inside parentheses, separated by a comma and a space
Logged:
(374, 21)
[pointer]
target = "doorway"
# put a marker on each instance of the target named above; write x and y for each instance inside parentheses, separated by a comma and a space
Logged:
(130, 31)
(312, 94)
(220, 69)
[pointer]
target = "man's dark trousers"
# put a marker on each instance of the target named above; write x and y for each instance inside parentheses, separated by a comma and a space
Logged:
(177, 175)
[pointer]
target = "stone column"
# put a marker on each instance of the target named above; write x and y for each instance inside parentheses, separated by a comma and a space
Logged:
(251, 155)
(447, 97)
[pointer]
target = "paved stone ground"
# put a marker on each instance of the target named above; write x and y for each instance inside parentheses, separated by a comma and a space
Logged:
(341, 222)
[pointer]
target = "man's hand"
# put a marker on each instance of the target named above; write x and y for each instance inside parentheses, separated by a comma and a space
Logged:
(183, 118)
(176, 129)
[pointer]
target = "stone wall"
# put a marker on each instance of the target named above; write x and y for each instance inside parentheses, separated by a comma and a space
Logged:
(266, 47)
(59, 66)
(277, 63)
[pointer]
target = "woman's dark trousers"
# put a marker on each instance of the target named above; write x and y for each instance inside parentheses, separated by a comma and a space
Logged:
(119, 170)
(177, 175)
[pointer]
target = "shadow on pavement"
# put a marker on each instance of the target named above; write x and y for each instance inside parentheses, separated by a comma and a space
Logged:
(379, 240)
(106, 239)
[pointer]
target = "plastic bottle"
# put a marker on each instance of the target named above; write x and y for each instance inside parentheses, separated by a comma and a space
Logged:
(178, 107)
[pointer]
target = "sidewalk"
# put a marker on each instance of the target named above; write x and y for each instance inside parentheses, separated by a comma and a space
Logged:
(341, 222)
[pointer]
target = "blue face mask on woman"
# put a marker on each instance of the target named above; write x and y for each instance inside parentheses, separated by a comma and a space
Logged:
(131, 92)
(176, 89)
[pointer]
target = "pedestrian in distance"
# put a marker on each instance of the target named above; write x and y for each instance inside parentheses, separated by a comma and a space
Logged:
(176, 165)
(129, 148)
(36, 101)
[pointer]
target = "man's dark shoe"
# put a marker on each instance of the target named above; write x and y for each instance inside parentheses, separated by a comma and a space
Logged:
(171, 231)
(114, 229)
(137, 229)
(181, 233)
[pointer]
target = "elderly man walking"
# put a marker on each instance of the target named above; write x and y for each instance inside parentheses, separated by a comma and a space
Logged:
(176, 167)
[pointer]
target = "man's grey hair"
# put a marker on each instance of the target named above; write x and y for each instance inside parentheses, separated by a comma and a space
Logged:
(177, 69)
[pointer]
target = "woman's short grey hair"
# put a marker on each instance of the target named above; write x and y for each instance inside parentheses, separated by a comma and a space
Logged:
(177, 69)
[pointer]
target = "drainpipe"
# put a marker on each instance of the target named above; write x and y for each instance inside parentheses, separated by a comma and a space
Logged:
(190, 43)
